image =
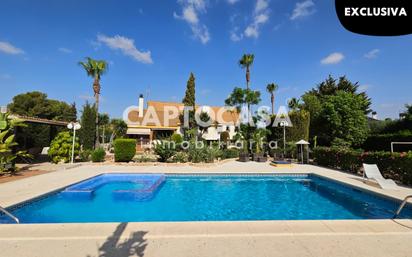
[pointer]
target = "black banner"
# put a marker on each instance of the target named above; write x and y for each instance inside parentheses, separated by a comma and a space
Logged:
(376, 17)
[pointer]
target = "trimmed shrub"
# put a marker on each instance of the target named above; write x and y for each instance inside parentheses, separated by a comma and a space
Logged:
(343, 158)
(397, 166)
(164, 150)
(124, 149)
(61, 147)
(98, 155)
(230, 153)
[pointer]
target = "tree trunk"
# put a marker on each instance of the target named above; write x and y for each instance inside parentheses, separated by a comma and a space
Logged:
(272, 99)
(96, 88)
(247, 77)
(103, 135)
(247, 86)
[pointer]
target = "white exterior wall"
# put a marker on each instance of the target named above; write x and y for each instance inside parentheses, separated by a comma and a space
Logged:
(213, 133)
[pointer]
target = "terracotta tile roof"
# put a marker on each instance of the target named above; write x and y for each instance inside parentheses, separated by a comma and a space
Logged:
(156, 111)
(157, 115)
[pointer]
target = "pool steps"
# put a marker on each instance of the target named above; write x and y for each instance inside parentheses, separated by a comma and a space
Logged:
(85, 190)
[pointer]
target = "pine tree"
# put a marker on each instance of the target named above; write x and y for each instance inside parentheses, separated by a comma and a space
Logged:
(88, 131)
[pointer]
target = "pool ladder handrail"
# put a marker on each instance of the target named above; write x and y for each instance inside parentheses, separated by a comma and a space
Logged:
(404, 202)
(9, 214)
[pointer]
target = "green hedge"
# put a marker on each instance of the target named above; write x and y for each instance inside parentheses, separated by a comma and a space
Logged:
(383, 142)
(397, 166)
(124, 149)
(230, 153)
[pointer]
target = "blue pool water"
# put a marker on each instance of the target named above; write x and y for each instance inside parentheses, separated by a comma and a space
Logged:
(206, 198)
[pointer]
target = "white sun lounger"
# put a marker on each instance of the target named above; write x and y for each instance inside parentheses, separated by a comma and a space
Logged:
(371, 171)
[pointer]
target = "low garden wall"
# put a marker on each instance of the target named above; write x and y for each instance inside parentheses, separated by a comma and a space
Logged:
(397, 166)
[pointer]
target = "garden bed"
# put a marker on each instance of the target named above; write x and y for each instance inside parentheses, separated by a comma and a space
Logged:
(7, 177)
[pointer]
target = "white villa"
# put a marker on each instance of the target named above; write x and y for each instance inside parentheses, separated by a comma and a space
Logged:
(158, 120)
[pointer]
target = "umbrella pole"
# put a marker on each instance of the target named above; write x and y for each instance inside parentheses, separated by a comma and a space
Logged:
(301, 152)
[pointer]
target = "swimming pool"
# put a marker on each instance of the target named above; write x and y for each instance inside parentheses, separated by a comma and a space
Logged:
(201, 197)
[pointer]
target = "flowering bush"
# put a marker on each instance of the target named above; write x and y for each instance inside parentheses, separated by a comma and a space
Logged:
(61, 147)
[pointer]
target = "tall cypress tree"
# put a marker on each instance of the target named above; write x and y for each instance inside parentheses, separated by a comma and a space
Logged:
(190, 99)
(88, 130)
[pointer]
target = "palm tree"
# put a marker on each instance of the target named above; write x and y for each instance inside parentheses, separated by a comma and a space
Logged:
(95, 69)
(245, 63)
(294, 104)
(271, 88)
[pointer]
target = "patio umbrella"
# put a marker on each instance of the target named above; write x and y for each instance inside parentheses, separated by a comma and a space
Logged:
(302, 143)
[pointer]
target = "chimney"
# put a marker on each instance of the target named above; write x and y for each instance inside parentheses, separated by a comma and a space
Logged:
(141, 105)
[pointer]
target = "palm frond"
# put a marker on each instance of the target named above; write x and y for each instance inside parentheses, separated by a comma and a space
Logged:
(246, 60)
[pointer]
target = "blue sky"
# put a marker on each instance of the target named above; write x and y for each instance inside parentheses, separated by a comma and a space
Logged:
(153, 45)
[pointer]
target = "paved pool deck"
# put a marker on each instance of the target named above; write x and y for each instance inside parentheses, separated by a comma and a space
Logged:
(252, 238)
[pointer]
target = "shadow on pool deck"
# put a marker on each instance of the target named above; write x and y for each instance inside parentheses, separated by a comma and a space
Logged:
(133, 245)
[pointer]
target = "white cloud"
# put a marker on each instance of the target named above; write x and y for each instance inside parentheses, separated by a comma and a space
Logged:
(65, 50)
(127, 47)
(389, 105)
(260, 17)
(303, 9)
(251, 31)
(205, 92)
(232, 1)
(277, 27)
(5, 76)
(190, 14)
(333, 58)
(372, 54)
(234, 36)
(8, 48)
(261, 5)
(202, 33)
(198, 4)
(363, 88)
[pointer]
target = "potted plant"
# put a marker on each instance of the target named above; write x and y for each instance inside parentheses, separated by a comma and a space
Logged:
(259, 137)
(244, 156)
(240, 137)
